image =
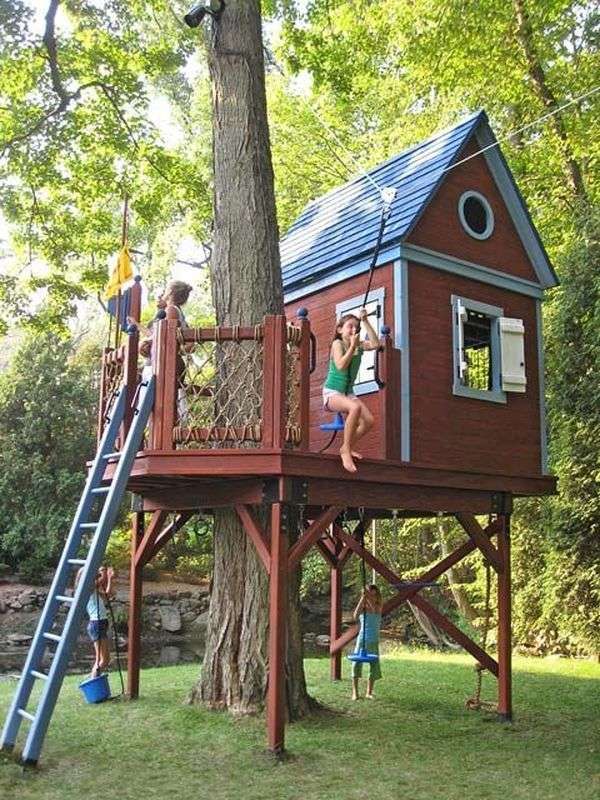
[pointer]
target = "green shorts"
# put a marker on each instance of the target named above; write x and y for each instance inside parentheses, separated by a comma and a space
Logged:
(374, 666)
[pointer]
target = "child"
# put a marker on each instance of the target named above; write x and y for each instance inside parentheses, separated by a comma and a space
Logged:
(177, 295)
(98, 625)
(344, 363)
(368, 612)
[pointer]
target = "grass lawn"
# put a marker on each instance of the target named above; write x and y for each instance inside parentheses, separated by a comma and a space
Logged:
(414, 741)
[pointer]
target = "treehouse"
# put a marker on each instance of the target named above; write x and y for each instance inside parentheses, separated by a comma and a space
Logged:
(234, 414)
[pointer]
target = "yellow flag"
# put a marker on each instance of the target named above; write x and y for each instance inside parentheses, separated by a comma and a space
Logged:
(122, 273)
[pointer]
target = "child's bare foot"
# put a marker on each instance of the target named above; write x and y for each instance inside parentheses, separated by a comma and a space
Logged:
(354, 454)
(355, 697)
(370, 697)
(347, 461)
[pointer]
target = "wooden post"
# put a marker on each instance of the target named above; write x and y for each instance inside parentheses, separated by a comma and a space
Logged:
(389, 398)
(335, 618)
(504, 623)
(135, 609)
(305, 348)
(164, 367)
(274, 380)
(276, 709)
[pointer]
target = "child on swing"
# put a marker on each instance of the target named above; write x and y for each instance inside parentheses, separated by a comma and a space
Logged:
(368, 613)
(344, 363)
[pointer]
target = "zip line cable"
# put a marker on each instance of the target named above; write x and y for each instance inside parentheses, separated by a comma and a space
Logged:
(370, 178)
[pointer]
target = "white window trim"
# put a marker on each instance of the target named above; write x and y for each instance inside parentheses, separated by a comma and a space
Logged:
(375, 295)
(494, 395)
(489, 228)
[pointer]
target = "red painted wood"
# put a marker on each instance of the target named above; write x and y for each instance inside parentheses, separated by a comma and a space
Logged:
(151, 534)
(455, 633)
(305, 383)
(135, 301)
(130, 376)
(256, 533)
(321, 306)
(335, 620)
(168, 532)
(314, 531)
(135, 610)
(449, 431)
(476, 532)
(220, 334)
(269, 369)
(389, 401)
(440, 227)
(504, 623)
(277, 631)
(159, 335)
(169, 378)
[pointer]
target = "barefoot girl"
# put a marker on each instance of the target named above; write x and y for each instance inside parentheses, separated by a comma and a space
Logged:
(346, 353)
(368, 613)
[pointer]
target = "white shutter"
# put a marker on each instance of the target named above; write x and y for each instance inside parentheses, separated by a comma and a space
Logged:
(512, 349)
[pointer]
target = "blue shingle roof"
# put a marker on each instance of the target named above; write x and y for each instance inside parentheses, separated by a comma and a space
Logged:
(342, 225)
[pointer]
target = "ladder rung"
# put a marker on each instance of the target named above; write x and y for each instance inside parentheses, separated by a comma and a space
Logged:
(112, 455)
(101, 490)
(52, 637)
(41, 675)
(25, 714)
(77, 562)
(88, 525)
(63, 598)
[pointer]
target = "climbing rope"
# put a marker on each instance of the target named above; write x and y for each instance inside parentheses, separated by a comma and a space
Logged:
(475, 703)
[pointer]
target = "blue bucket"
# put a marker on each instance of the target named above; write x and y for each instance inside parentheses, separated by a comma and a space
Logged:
(95, 690)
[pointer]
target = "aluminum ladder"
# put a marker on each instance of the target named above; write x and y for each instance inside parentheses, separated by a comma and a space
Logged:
(84, 548)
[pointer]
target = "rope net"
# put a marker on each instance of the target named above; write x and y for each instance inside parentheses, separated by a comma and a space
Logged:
(113, 371)
(293, 396)
(219, 390)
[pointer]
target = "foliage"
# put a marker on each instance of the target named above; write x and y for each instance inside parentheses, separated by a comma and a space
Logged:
(47, 418)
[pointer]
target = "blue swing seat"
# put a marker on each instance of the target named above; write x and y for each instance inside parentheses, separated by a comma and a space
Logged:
(336, 425)
(362, 657)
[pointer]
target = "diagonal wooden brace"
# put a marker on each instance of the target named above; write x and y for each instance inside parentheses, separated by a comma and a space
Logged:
(478, 535)
(152, 533)
(167, 533)
(311, 535)
(256, 533)
(410, 593)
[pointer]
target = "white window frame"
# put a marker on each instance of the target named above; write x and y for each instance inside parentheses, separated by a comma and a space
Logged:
(489, 228)
(352, 306)
(495, 394)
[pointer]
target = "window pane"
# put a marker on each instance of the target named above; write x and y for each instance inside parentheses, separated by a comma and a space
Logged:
(477, 330)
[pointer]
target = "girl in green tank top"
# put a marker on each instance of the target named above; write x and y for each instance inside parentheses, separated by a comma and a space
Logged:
(344, 363)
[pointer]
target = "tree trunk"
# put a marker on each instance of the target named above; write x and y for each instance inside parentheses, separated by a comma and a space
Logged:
(246, 285)
(544, 92)
(458, 593)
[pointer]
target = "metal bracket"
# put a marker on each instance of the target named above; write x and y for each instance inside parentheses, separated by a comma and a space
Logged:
(285, 490)
(137, 502)
(502, 503)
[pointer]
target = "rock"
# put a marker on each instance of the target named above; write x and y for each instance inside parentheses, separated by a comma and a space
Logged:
(322, 640)
(200, 624)
(170, 654)
(170, 619)
(309, 637)
(189, 616)
(19, 639)
(3, 607)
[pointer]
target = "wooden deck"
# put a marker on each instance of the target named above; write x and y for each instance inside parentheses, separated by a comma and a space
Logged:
(186, 479)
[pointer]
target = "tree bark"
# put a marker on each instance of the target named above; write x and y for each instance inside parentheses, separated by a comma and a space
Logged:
(246, 285)
(458, 593)
(538, 77)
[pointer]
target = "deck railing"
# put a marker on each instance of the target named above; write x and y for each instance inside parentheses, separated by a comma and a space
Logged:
(230, 387)
(238, 386)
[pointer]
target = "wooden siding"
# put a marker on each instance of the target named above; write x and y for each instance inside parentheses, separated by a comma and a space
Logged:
(440, 228)
(460, 432)
(321, 313)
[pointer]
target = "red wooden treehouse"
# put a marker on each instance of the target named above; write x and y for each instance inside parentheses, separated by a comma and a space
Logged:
(459, 408)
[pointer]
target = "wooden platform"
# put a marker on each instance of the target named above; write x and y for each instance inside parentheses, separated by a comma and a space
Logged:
(186, 479)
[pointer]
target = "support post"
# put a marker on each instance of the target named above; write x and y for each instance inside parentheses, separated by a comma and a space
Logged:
(335, 619)
(389, 398)
(305, 366)
(504, 623)
(135, 609)
(276, 709)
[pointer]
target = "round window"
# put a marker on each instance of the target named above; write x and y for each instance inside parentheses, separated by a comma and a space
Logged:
(476, 215)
